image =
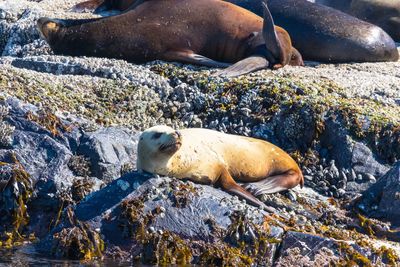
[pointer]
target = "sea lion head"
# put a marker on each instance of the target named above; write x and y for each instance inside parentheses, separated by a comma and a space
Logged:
(49, 29)
(159, 141)
(66, 37)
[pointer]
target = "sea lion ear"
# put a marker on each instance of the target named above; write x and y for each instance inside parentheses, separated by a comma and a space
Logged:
(47, 26)
(270, 36)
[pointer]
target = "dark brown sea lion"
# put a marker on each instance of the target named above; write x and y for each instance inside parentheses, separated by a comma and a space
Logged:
(320, 33)
(325, 34)
(208, 32)
(384, 13)
(104, 5)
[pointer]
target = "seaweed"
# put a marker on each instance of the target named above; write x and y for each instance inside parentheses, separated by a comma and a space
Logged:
(79, 165)
(16, 192)
(50, 122)
(81, 188)
(165, 249)
(78, 242)
(181, 196)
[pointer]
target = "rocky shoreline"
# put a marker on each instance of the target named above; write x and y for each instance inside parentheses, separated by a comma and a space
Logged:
(68, 135)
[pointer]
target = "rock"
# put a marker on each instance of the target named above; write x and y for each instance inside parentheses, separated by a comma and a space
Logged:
(382, 199)
(369, 177)
(131, 207)
(364, 162)
(338, 142)
(341, 121)
(349, 153)
(299, 249)
(40, 149)
(109, 150)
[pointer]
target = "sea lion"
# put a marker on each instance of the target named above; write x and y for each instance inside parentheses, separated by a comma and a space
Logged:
(384, 13)
(325, 34)
(211, 157)
(98, 6)
(319, 32)
(209, 32)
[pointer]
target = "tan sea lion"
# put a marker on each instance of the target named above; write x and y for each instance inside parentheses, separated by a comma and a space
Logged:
(211, 157)
(209, 32)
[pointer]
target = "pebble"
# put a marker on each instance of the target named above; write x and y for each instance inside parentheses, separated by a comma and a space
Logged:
(292, 196)
(342, 176)
(369, 177)
(3, 14)
(341, 192)
(308, 177)
(352, 176)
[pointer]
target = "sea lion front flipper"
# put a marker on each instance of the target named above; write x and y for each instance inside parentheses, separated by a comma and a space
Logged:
(192, 58)
(228, 183)
(244, 66)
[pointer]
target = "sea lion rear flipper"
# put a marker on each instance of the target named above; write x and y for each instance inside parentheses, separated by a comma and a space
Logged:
(192, 58)
(244, 66)
(227, 183)
(276, 183)
(271, 39)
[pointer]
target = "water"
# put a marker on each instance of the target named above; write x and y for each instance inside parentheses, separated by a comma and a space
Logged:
(27, 256)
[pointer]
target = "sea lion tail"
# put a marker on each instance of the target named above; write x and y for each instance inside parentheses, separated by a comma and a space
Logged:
(270, 36)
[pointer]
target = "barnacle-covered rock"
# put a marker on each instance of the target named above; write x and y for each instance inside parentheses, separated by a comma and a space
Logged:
(382, 200)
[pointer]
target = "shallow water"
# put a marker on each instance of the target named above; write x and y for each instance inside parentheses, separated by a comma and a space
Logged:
(27, 256)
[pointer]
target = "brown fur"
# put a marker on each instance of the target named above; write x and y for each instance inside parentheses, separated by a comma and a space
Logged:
(172, 30)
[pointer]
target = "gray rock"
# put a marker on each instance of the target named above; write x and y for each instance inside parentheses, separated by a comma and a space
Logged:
(299, 249)
(369, 177)
(338, 142)
(364, 162)
(209, 211)
(108, 150)
(348, 153)
(43, 156)
(382, 199)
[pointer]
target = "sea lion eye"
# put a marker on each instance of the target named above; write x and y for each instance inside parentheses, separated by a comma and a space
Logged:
(156, 135)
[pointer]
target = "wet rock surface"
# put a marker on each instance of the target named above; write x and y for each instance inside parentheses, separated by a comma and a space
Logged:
(382, 200)
(68, 133)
